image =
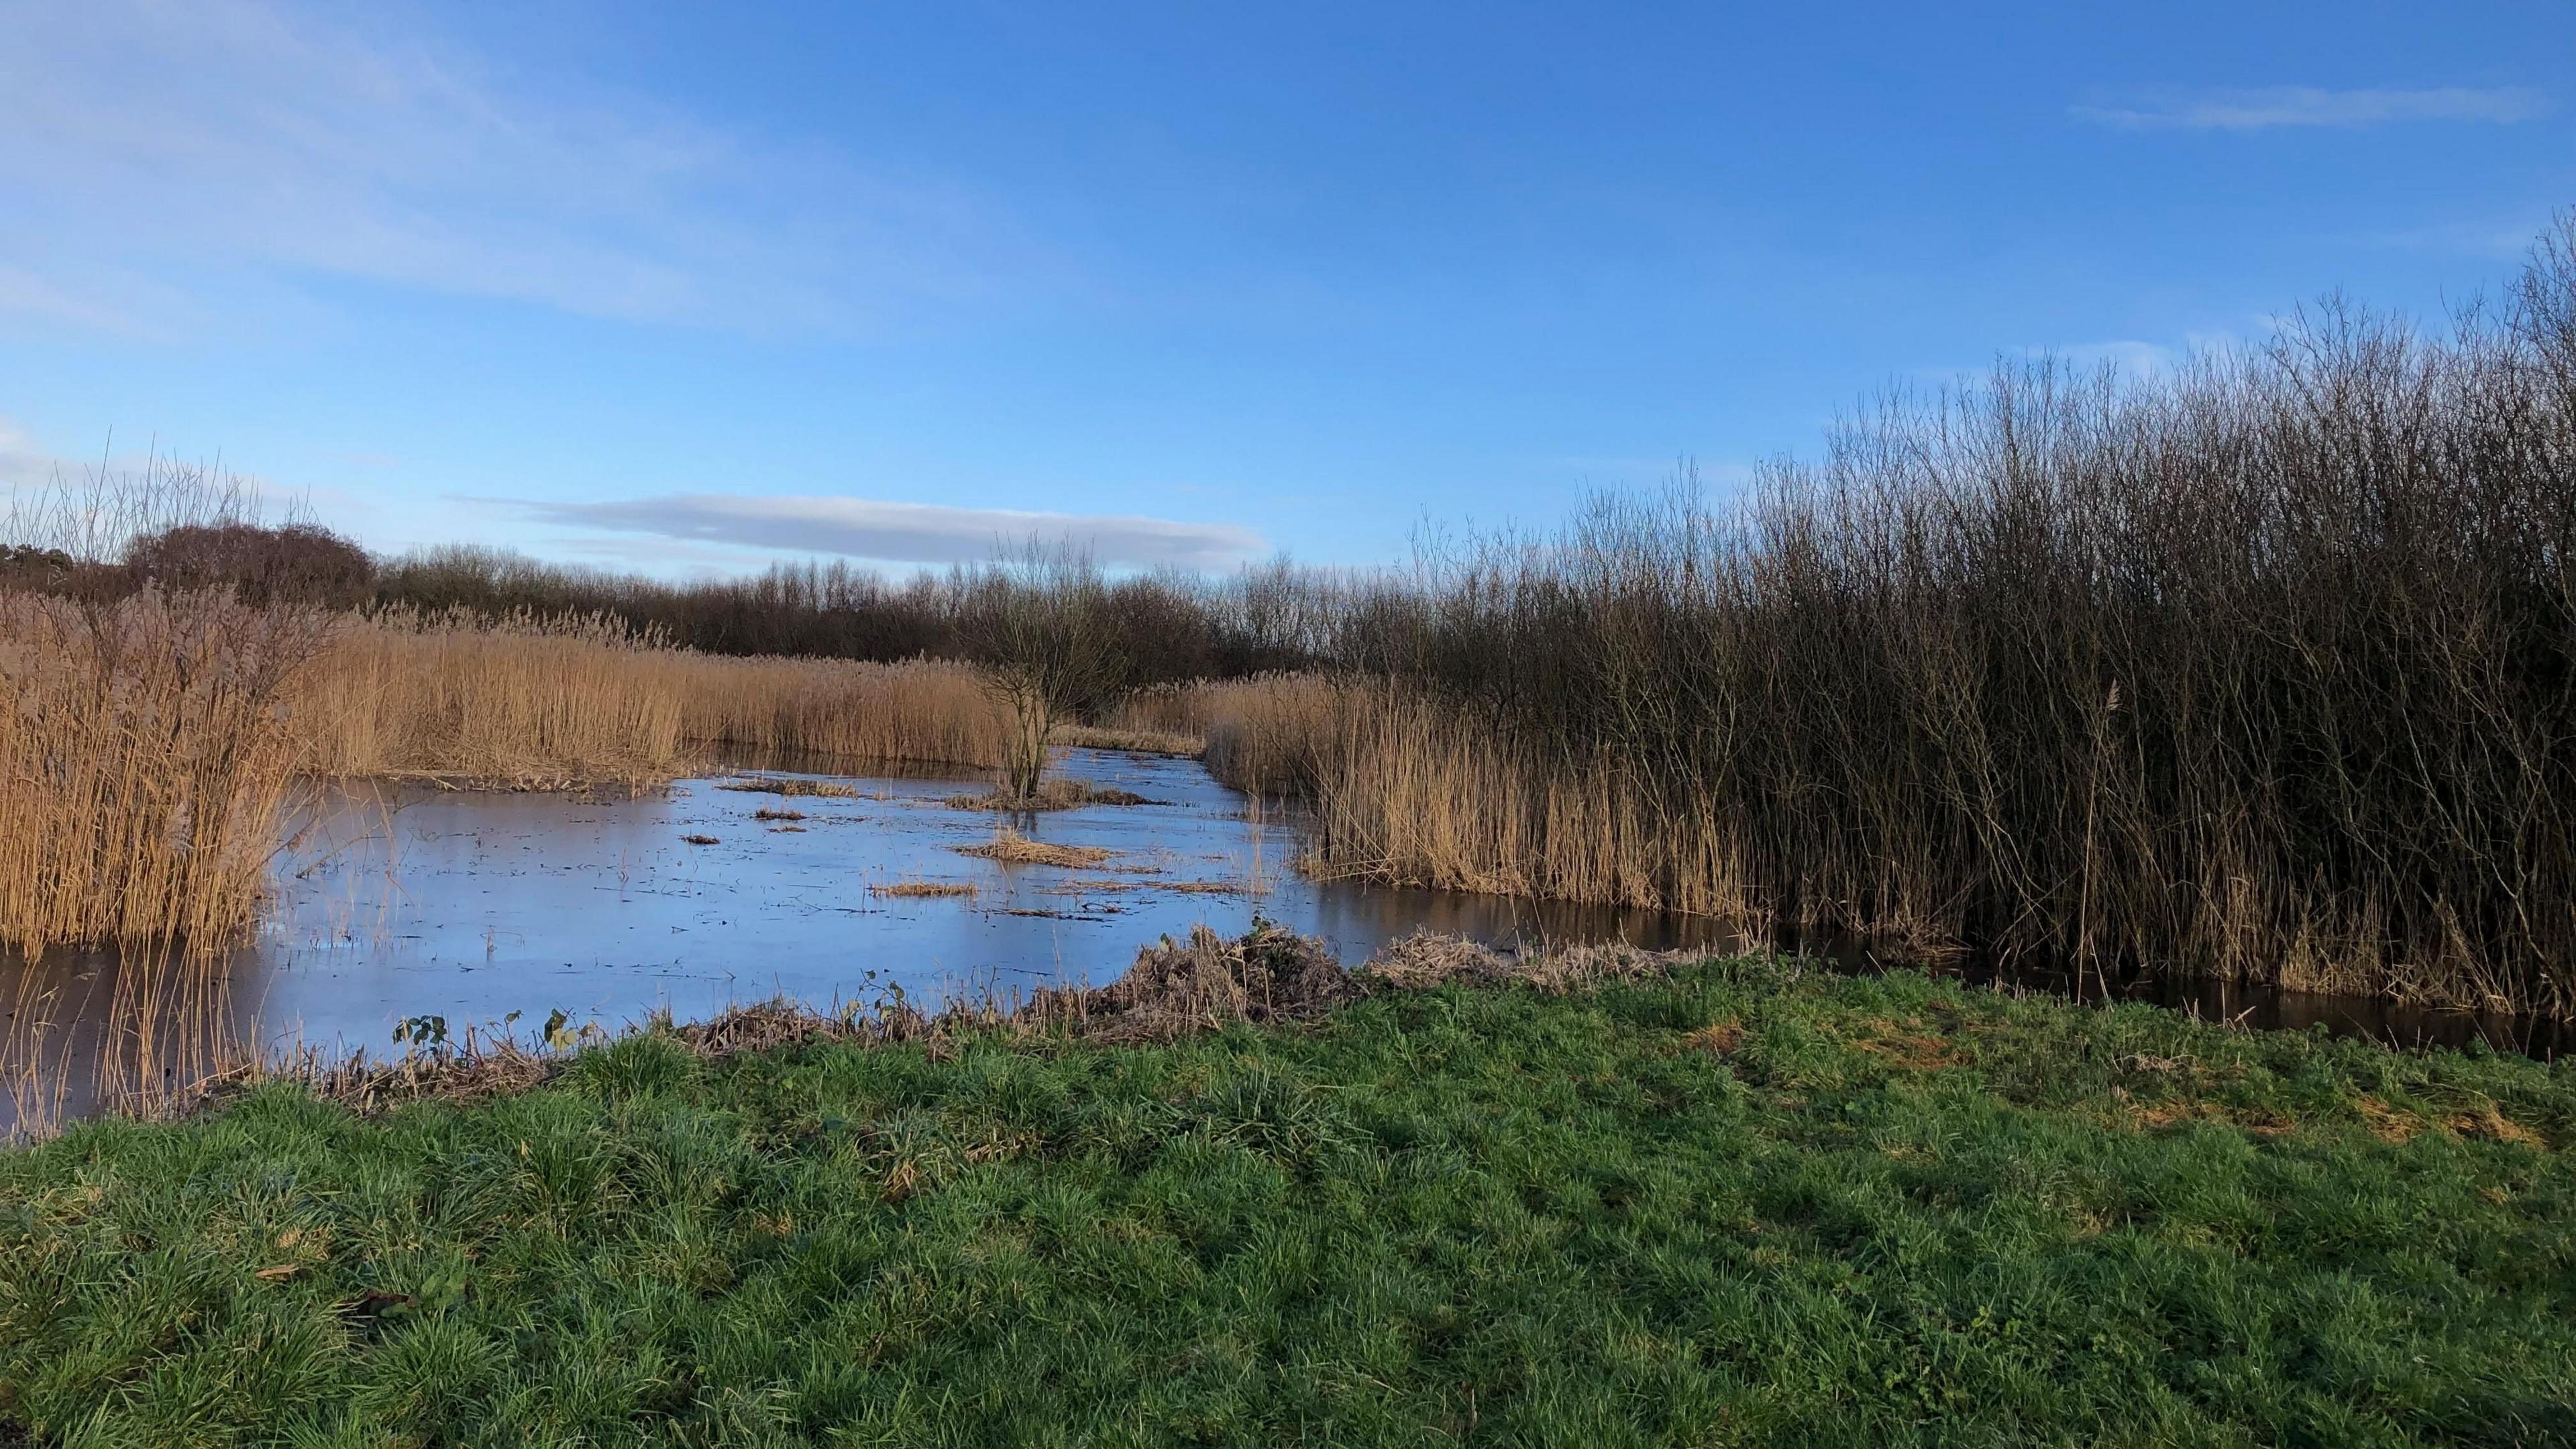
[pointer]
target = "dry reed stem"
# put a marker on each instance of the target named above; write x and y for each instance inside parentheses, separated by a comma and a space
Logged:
(1134, 741)
(548, 700)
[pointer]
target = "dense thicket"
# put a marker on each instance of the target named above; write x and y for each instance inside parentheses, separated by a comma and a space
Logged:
(1162, 627)
(1165, 626)
(2265, 667)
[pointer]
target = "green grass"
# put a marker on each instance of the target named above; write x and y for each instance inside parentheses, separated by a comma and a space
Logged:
(1737, 1205)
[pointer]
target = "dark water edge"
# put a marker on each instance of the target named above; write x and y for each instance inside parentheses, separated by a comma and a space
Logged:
(2253, 1005)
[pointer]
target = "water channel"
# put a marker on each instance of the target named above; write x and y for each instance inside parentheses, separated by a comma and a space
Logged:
(402, 902)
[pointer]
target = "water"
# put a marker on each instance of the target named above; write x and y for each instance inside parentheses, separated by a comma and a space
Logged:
(398, 903)
(401, 903)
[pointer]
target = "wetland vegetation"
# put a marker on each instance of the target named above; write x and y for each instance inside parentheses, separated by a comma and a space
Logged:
(2259, 670)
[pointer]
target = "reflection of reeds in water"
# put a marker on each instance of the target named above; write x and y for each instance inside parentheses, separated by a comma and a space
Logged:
(784, 786)
(1062, 792)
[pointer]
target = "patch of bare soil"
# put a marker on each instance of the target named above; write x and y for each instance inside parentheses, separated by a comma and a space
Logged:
(1718, 1038)
(2482, 1123)
(1909, 1044)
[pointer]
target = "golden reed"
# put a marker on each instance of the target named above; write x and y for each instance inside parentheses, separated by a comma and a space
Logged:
(149, 747)
(543, 703)
(146, 751)
(146, 756)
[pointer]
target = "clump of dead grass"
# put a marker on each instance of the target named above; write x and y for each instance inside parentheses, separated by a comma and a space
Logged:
(1012, 847)
(923, 889)
(1269, 974)
(1427, 958)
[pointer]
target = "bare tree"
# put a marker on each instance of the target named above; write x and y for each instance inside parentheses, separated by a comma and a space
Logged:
(1037, 620)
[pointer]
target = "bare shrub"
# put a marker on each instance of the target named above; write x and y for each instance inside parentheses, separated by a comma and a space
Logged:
(1037, 622)
(2265, 668)
(295, 563)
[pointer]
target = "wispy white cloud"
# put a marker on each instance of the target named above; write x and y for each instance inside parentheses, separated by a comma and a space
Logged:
(2277, 106)
(184, 143)
(905, 532)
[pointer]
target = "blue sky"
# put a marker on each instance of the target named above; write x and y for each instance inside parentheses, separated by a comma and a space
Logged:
(689, 287)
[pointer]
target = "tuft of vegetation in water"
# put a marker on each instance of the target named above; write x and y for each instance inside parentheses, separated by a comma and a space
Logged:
(1012, 847)
(923, 889)
(1735, 1204)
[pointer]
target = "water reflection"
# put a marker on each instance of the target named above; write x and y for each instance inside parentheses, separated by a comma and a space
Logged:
(405, 902)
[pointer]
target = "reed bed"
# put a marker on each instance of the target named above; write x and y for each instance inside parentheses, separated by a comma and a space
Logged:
(544, 702)
(145, 759)
(146, 762)
(1264, 735)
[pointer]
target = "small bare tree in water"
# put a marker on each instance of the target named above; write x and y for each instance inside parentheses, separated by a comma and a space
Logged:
(1037, 621)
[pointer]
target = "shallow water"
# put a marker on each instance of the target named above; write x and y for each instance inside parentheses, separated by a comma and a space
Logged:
(398, 903)
(405, 902)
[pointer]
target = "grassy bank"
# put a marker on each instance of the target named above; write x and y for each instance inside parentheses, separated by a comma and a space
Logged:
(1732, 1204)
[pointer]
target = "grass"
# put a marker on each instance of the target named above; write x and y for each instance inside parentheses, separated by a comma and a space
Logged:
(1734, 1205)
(923, 889)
